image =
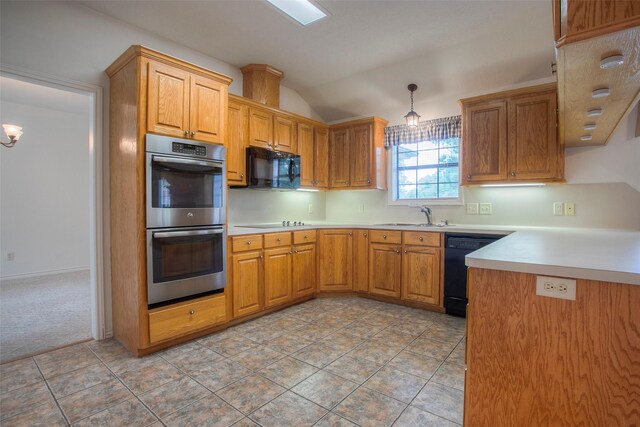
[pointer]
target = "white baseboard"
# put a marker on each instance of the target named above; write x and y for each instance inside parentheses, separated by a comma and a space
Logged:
(44, 273)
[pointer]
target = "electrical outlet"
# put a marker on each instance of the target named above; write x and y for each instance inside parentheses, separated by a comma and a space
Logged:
(310, 208)
(472, 209)
(11, 256)
(485, 209)
(569, 208)
(558, 208)
(556, 287)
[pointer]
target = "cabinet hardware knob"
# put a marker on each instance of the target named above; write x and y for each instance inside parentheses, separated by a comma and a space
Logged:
(350, 234)
(384, 236)
(365, 234)
(260, 257)
(186, 132)
(468, 176)
(241, 176)
(421, 238)
(192, 312)
(278, 240)
(513, 174)
(397, 251)
(193, 132)
(405, 251)
(290, 252)
(368, 181)
(248, 242)
(294, 251)
(306, 237)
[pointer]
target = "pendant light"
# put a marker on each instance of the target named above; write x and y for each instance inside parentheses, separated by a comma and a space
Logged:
(413, 118)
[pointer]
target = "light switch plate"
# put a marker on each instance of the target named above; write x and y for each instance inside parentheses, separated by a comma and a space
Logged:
(486, 209)
(569, 208)
(558, 208)
(310, 208)
(556, 287)
(472, 209)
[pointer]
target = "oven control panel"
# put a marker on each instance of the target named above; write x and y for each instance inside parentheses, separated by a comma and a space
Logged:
(191, 149)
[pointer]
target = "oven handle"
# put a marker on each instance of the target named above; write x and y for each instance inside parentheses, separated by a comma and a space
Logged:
(169, 234)
(212, 163)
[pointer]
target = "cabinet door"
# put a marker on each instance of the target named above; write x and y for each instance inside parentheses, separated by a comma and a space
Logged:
(208, 100)
(421, 274)
(484, 142)
(385, 268)
(260, 128)
(360, 156)
(305, 150)
(361, 261)
(533, 145)
(237, 133)
(321, 157)
(248, 287)
(277, 276)
(339, 159)
(304, 270)
(284, 134)
(336, 260)
(167, 100)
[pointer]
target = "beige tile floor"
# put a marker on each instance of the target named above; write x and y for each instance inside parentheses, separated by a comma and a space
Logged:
(326, 362)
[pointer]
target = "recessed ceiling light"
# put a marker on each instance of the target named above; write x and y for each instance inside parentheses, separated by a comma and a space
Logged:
(302, 11)
(589, 126)
(612, 61)
(594, 112)
(601, 93)
(585, 138)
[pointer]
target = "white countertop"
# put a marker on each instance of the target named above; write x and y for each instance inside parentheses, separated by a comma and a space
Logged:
(606, 255)
(592, 254)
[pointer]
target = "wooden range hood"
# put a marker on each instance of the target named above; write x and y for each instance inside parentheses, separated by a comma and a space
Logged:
(261, 82)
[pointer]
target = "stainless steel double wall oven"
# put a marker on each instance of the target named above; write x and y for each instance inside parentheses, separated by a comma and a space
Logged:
(186, 218)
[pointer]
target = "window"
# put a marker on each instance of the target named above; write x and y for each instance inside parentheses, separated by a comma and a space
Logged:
(426, 170)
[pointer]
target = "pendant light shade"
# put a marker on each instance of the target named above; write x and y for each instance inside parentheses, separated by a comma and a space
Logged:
(413, 118)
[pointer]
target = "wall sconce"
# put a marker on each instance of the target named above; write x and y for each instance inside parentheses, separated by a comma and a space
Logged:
(413, 119)
(13, 132)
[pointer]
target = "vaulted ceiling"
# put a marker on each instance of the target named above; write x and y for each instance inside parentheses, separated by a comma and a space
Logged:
(362, 56)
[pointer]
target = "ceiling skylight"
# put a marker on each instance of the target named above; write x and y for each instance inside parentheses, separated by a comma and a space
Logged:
(302, 11)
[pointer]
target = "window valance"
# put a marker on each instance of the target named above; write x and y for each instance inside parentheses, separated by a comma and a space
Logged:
(429, 130)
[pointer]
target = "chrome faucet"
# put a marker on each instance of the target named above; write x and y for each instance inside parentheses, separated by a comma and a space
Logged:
(427, 211)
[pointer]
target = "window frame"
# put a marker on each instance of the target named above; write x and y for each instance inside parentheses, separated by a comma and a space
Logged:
(393, 178)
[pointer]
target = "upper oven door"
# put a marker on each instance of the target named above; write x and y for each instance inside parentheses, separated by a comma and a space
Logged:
(182, 191)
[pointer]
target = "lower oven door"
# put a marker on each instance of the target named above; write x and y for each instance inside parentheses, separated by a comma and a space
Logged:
(185, 262)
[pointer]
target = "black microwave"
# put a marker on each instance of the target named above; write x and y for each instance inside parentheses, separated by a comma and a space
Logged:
(268, 169)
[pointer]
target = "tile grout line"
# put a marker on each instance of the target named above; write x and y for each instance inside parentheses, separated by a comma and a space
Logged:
(55, 400)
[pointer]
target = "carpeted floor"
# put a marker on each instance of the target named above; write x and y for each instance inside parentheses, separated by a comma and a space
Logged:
(41, 313)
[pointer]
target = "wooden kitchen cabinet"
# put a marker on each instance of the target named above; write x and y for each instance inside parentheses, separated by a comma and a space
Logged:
(385, 269)
(307, 155)
(277, 276)
(336, 260)
(511, 137)
(321, 157)
(237, 139)
(260, 128)
(421, 274)
(184, 104)
(284, 134)
(357, 154)
(361, 261)
(304, 272)
(248, 286)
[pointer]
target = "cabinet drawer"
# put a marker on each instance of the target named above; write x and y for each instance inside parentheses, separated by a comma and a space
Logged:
(275, 240)
(304, 236)
(170, 322)
(421, 238)
(385, 236)
(246, 243)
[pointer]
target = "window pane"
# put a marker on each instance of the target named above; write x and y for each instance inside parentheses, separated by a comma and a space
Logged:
(408, 159)
(451, 142)
(406, 192)
(428, 176)
(429, 157)
(449, 174)
(428, 145)
(449, 190)
(407, 147)
(427, 191)
(407, 177)
(449, 155)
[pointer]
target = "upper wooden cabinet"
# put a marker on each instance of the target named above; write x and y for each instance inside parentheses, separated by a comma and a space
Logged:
(357, 154)
(307, 155)
(511, 137)
(184, 104)
(336, 260)
(237, 141)
(284, 134)
(260, 127)
(576, 20)
(321, 157)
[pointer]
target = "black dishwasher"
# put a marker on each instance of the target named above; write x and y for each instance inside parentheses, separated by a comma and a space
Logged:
(456, 246)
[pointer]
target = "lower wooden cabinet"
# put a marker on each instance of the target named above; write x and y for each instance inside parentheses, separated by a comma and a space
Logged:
(183, 318)
(336, 260)
(304, 274)
(277, 276)
(421, 274)
(361, 260)
(248, 286)
(385, 269)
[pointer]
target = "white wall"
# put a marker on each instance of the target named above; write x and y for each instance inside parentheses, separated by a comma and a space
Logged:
(44, 191)
(259, 206)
